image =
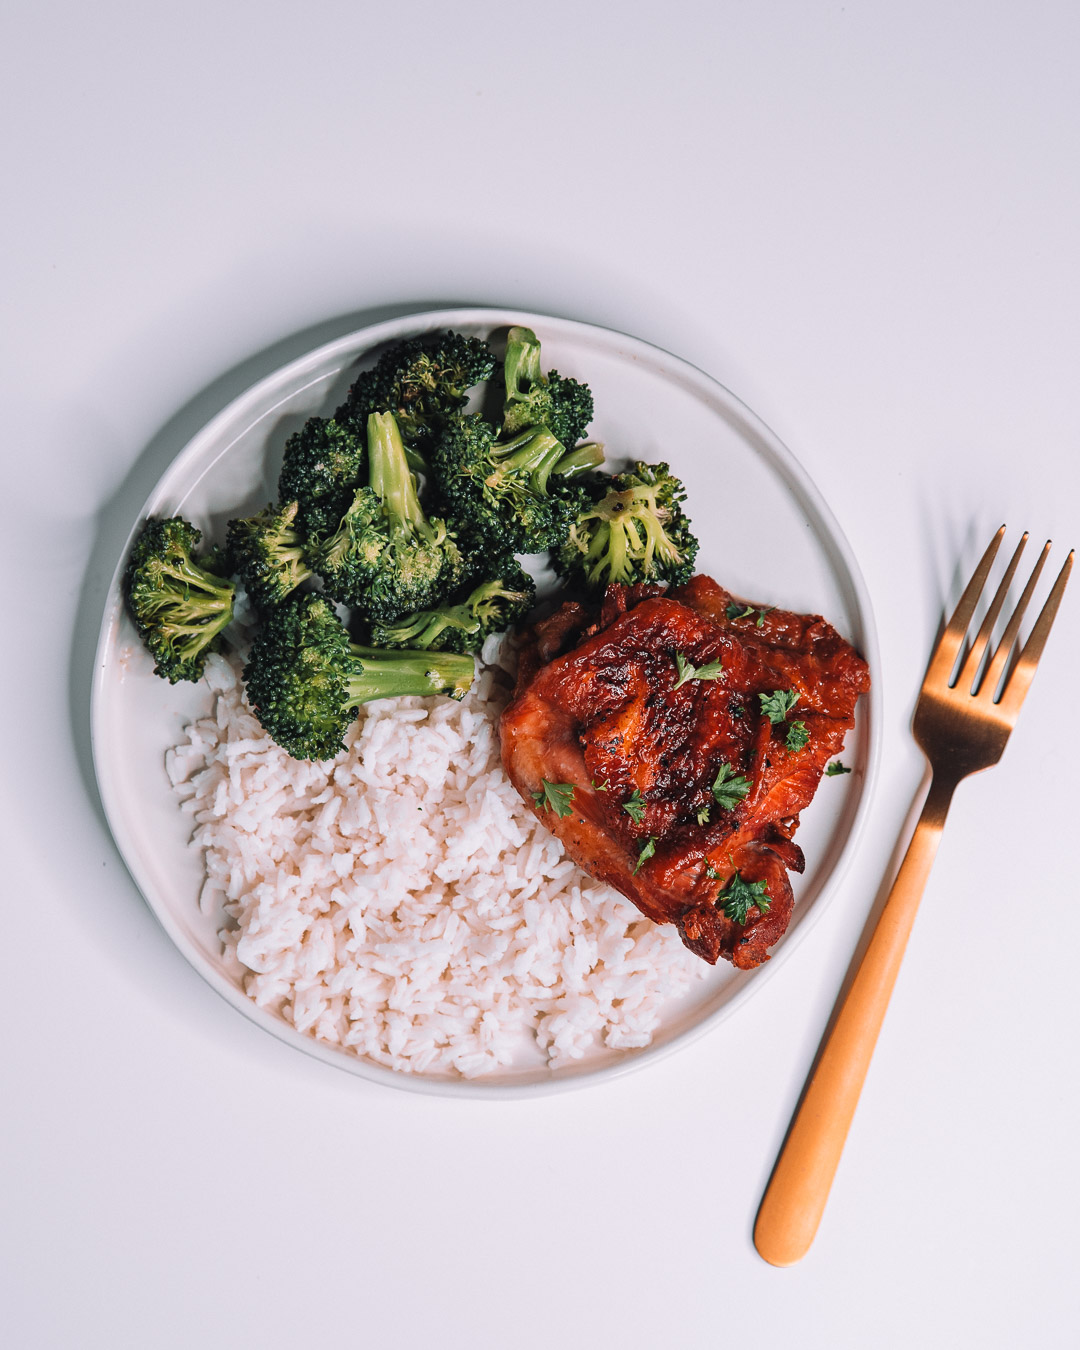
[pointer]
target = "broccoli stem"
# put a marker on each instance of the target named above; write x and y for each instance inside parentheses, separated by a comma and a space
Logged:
(199, 608)
(390, 674)
(215, 595)
(609, 549)
(416, 461)
(389, 473)
(534, 451)
(521, 366)
(294, 556)
(574, 462)
(192, 619)
(423, 629)
(631, 533)
(187, 640)
(657, 542)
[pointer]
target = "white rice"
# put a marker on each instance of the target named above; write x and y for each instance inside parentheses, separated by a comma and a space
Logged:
(402, 903)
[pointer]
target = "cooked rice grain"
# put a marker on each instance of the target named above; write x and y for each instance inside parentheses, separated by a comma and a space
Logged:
(401, 902)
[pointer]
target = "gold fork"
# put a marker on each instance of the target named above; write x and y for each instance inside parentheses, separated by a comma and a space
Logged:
(961, 726)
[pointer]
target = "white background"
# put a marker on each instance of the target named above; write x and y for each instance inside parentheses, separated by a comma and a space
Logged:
(862, 218)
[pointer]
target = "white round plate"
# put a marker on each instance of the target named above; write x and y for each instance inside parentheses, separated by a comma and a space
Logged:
(765, 534)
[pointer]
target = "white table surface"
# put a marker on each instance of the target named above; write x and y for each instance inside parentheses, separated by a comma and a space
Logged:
(862, 218)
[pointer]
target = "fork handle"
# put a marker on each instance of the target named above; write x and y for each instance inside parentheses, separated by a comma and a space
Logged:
(799, 1186)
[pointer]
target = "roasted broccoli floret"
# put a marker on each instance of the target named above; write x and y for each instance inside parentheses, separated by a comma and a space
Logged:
(505, 493)
(490, 607)
(387, 558)
(306, 680)
(268, 554)
(534, 399)
(321, 472)
(422, 381)
(178, 606)
(633, 530)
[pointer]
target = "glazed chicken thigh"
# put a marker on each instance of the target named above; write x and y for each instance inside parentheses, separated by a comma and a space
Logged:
(692, 730)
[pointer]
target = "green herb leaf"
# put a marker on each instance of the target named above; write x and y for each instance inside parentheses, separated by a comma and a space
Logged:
(834, 769)
(778, 704)
(684, 668)
(761, 615)
(635, 807)
(738, 897)
(713, 671)
(797, 736)
(647, 850)
(703, 815)
(555, 797)
(601, 787)
(729, 788)
(734, 612)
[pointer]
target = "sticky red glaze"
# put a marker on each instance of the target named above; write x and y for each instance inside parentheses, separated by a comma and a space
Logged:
(596, 705)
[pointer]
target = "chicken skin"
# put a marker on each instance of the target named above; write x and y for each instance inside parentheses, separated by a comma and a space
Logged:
(692, 730)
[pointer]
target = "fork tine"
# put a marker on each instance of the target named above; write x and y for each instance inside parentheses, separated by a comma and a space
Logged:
(973, 660)
(945, 653)
(995, 669)
(1020, 679)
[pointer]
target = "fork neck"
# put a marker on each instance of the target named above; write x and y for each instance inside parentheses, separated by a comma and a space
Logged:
(938, 800)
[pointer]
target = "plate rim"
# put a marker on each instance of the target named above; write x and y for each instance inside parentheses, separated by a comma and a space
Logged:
(568, 1077)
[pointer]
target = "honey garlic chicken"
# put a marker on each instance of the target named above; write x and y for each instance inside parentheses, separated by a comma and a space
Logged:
(671, 742)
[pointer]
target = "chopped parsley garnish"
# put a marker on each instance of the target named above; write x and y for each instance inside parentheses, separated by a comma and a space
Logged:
(713, 671)
(797, 736)
(738, 897)
(729, 788)
(555, 797)
(834, 769)
(703, 815)
(647, 850)
(601, 787)
(635, 807)
(778, 704)
(735, 611)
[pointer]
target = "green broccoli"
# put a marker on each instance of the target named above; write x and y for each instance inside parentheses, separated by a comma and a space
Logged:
(387, 558)
(501, 491)
(268, 554)
(422, 381)
(178, 606)
(633, 530)
(320, 472)
(490, 607)
(583, 459)
(561, 404)
(305, 680)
